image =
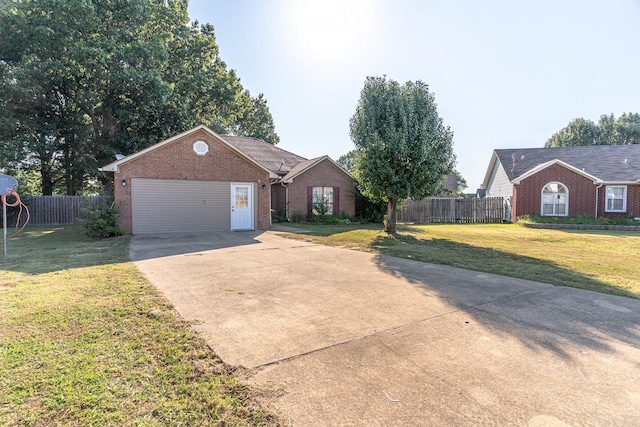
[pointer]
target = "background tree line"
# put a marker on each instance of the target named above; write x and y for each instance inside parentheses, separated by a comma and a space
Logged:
(608, 131)
(82, 80)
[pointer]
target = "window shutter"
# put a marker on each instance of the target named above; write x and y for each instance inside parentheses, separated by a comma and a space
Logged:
(309, 200)
(336, 200)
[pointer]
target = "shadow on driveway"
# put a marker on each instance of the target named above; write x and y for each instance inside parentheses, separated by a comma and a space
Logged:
(149, 246)
(354, 338)
(540, 316)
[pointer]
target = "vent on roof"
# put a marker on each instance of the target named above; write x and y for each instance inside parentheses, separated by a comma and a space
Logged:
(281, 164)
(515, 159)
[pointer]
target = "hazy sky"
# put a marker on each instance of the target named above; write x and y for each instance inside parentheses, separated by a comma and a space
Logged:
(505, 74)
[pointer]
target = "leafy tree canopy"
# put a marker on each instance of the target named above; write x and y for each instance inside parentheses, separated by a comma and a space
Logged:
(608, 131)
(82, 80)
(403, 148)
(347, 161)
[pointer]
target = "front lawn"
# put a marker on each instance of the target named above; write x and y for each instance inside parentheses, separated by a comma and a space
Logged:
(603, 261)
(85, 339)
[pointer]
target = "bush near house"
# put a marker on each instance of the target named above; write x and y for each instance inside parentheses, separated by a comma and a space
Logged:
(587, 220)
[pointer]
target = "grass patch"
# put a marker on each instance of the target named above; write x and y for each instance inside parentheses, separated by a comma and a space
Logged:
(85, 339)
(603, 261)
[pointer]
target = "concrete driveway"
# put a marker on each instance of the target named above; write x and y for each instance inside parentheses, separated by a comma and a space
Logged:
(340, 337)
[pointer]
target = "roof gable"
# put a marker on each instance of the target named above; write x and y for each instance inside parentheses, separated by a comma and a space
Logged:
(114, 166)
(543, 166)
(304, 166)
(602, 163)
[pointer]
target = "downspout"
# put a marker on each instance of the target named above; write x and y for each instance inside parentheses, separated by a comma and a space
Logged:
(286, 200)
(597, 198)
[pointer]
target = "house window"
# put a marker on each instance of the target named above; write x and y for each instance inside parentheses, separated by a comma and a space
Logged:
(555, 200)
(616, 198)
(322, 200)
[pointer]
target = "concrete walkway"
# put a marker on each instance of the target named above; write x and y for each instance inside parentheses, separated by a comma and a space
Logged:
(340, 337)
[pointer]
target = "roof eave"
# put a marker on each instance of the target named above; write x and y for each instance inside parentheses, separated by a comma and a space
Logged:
(489, 173)
(545, 165)
(114, 166)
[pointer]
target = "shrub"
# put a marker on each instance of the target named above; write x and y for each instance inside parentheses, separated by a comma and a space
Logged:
(101, 221)
(585, 220)
(297, 217)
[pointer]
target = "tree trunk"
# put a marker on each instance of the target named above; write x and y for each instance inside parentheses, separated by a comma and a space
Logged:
(390, 223)
(47, 182)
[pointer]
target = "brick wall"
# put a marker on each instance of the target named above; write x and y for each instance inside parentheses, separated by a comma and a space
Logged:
(582, 192)
(278, 199)
(633, 202)
(324, 174)
(177, 160)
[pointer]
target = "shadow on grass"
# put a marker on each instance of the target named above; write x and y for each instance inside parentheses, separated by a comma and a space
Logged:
(540, 315)
(39, 250)
(455, 254)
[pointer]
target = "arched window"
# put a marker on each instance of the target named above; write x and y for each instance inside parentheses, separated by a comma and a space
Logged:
(555, 200)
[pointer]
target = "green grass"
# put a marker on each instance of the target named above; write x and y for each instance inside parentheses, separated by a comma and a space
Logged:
(86, 340)
(602, 261)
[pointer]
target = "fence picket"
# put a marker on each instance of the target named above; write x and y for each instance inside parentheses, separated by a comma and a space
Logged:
(451, 210)
(57, 210)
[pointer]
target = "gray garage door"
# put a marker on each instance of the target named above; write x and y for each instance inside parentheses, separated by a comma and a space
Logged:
(180, 206)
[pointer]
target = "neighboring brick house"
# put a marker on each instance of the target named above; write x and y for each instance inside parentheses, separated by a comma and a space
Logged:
(597, 181)
(199, 181)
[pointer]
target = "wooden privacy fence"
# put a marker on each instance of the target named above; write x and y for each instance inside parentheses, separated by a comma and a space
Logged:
(450, 210)
(58, 210)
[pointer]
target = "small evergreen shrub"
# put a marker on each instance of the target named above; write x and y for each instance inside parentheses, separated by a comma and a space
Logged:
(101, 221)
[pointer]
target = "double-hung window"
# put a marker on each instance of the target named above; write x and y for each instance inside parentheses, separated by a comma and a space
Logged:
(616, 198)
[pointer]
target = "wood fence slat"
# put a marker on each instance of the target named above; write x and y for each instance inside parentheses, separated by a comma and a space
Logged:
(58, 210)
(452, 210)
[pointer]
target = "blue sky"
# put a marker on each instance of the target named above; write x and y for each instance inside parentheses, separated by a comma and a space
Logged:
(505, 74)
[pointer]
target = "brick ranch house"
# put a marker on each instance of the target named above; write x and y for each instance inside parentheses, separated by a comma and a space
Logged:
(596, 181)
(199, 181)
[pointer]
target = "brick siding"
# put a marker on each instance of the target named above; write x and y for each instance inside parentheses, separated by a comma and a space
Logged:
(323, 174)
(177, 160)
(527, 196)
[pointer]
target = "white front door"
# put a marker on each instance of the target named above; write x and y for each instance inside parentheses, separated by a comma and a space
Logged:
(241, 207)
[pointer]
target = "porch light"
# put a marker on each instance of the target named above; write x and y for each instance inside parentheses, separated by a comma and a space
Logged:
(124, 182)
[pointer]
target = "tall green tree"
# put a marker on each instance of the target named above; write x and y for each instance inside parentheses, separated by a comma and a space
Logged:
(578, 132)
(82, 80)
(347, 161)
(608, 131)
(403, 149)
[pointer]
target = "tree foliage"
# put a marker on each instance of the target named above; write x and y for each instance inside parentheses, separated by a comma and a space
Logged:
(82, 80)
(608, 131)
(403, 148)
(347, 161)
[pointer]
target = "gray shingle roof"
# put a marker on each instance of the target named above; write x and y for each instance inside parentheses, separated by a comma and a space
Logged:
(302, 166)
(271, 157)
(611, 163)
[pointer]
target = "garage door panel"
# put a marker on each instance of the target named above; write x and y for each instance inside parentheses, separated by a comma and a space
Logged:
(167, 205)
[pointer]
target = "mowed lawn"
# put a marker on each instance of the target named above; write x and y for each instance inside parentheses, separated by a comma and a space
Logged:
(86, 340)
(603, 261)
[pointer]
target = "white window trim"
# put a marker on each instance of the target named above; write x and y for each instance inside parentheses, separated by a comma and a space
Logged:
(566, 206)
(624, 198)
